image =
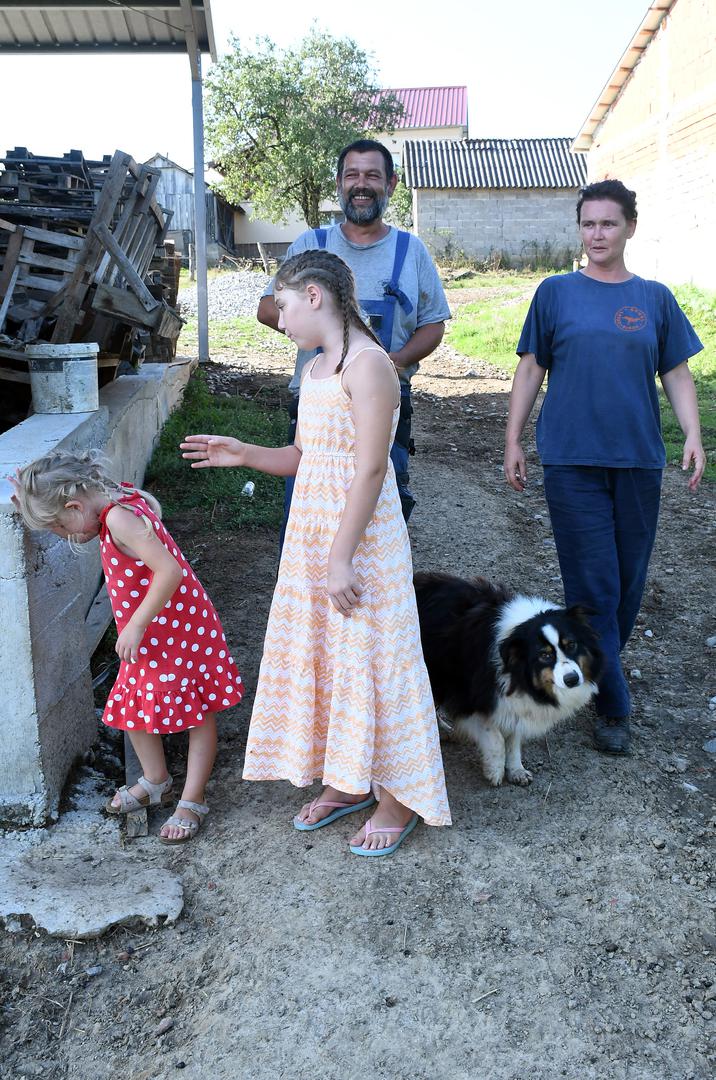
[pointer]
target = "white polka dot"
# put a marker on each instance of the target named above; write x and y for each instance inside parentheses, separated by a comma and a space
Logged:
(120, 583)
(175, 623)
(187, 626)
(156, 731)
(134, 593)
(190, 664)
(115, 562)
(125, 603)
(171, 676)
(200, 630)
(138, 562)
(162, 678)
(185, 572)
(168, 603)
(129, 572)
(202, 667)
(165, 656)
(130, 723)
(162, 620)
(209, 650)
(225, 702)
(212, 697)
(213, 633)
(228, 689)
(143, 650)
(140, 712)
(204, 613)
(119, 614)
(170, 641)
(153, 664)
(177, 700)
(141, 672)
(174, 551)
(166, 721)
(133, 681)
(110, 718)
(187, 708)
(180, 722)
(222, 654)
(114, 592)
(194, 592)
(192, 610)
(205, 596)
(144, 581)
(183, 644)
(195, 647)
(182, 589)
(178, 661)
(156, 525)
(180, 607)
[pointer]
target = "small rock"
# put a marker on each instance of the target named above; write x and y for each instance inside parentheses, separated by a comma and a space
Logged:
(390, 1002)
(648, 633)
(635, 673)
(96, 969)
(164, 1026)
(658, 843)
(711, 642)
(611, 947)
(710, 746)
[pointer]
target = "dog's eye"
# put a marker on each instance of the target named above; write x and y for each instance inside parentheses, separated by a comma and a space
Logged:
(546, 655)
(568, 645)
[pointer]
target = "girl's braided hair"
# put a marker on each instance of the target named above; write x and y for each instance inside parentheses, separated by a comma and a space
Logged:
(319, 267)
(45, 486)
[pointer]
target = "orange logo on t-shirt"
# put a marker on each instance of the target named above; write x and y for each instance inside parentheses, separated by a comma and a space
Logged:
(630, 318)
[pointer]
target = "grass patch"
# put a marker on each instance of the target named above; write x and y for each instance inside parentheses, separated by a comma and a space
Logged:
(243, 332)
(489, 329)
(216, 493)
(699, 305)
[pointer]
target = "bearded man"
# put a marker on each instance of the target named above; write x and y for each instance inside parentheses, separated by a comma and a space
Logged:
(398, 287)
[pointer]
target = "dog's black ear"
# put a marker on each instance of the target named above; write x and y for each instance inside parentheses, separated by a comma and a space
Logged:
(582, 613)
(512, 652)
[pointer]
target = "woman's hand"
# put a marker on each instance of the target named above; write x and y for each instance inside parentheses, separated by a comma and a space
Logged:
(213, 451)
(343, 587)
(515, 466)
(128, 641)
(694, 453)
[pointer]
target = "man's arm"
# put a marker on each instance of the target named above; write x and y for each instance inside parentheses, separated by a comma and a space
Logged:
(267, 312)
(424, 341)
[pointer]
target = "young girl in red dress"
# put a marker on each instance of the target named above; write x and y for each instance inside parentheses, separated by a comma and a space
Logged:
(176, 671)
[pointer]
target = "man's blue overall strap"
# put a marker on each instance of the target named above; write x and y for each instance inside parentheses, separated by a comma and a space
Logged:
(401, 250)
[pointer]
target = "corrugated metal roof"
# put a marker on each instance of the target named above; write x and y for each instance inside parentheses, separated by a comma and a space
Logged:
(104, 26)
(492, 163)
(615, 83)
(431, 106)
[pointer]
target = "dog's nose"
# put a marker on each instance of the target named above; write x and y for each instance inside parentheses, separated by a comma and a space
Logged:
(571, 679)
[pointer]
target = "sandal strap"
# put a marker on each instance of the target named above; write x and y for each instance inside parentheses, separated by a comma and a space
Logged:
(369, 830)
(318, 802)
(198, 808)
(128, 803)
(182, 823)
(155, 791)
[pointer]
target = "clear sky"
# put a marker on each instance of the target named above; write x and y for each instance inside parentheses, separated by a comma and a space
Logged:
(532, 68)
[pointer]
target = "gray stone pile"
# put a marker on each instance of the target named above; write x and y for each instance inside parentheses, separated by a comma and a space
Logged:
(232, 294)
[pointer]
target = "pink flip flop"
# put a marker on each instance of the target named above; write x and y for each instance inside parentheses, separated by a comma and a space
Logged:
(341, 810)
(392, 847)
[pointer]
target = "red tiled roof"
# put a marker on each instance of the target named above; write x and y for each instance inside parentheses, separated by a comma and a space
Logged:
(431, 106)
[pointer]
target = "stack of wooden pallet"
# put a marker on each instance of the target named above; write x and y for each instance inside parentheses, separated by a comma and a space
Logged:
(84, 257)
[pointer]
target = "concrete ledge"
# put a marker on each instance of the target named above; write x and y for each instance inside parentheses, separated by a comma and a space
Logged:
(46, 592)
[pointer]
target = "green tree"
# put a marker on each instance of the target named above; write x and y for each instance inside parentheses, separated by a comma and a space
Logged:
(276, 120)
(400, 207)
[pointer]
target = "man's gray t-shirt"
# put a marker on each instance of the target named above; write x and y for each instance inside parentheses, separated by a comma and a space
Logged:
(372, 266)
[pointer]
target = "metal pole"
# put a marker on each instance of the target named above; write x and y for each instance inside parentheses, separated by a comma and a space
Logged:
(200, 213)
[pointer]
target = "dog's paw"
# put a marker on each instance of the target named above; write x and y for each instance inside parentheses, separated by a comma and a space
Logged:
(521, 776)
(494, 776)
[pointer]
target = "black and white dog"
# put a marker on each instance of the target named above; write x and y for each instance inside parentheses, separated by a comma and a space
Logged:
(503, 667)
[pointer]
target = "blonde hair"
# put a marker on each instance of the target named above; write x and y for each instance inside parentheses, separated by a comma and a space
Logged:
(45, 486)
(320, 267)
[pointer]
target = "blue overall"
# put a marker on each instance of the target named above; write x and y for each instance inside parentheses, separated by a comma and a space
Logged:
(381, 316)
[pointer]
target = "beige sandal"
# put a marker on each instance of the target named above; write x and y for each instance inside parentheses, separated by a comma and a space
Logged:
(190, 827)
(157, 795)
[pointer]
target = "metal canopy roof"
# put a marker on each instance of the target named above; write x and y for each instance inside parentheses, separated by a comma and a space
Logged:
(492, 163)
(107, 26)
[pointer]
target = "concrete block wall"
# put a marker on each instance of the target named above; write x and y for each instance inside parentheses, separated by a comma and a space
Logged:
(526, 226)
(47, 709)
(659, 138)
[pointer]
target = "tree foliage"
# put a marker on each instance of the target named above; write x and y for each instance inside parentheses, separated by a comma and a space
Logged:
(276, 120)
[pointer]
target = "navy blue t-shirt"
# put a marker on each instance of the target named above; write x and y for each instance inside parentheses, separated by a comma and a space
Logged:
(603, 344)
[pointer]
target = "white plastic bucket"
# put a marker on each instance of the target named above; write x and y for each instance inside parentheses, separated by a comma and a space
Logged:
(63, 378)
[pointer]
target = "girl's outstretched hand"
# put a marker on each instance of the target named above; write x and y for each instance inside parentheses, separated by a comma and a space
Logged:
(217, 451)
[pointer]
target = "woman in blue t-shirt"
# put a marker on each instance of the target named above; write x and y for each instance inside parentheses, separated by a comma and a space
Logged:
(604, 334)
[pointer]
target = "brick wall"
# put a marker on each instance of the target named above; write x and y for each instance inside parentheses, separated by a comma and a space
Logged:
(525, 226)
(659, 138)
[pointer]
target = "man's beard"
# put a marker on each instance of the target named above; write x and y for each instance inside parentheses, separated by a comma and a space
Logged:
(365, 214)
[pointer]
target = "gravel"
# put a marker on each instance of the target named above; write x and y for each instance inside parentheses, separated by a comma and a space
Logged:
(232, 293)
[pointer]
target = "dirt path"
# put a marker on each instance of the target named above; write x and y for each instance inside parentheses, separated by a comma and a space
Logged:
(561, 931)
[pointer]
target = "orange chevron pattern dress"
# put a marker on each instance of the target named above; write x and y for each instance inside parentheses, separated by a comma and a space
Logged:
(345, 700)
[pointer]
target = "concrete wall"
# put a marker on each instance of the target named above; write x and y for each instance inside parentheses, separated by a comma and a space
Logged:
(526, 226)
(659, 138)
(47, 711)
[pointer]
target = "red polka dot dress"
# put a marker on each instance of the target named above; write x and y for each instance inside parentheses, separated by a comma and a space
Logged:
(184, 668)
